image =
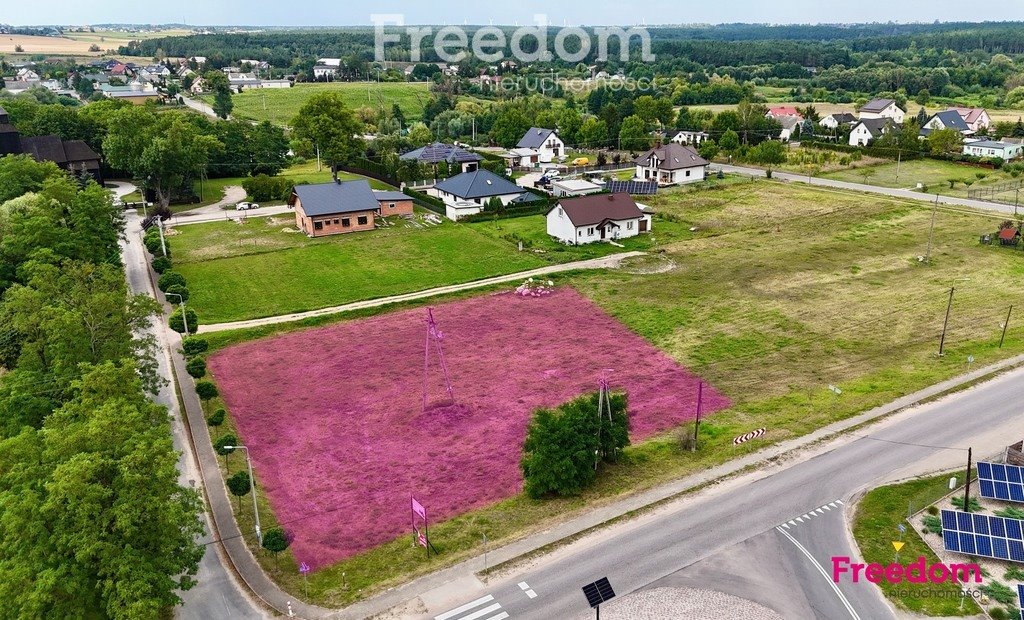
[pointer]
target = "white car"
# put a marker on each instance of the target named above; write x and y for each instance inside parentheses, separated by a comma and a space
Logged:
(245, 206)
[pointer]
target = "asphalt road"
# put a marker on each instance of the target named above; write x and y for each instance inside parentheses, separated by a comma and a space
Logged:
(665, 545)
(216, 595)
(874, 189)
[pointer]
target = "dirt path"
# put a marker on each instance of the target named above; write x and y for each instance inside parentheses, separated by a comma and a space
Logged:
(233, 194)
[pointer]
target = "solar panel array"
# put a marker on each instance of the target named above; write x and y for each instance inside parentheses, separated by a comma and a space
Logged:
(1020, 599)
(983, 535)
(1001, 481)
(636, 188)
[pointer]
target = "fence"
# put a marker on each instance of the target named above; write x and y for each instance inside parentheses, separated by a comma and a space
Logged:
(1006, 193)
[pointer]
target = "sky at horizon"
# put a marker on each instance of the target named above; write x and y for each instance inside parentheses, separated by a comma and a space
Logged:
(598, 12)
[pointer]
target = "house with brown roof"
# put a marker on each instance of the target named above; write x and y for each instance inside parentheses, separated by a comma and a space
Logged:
(75, 156)
(598, 217)
(671, 164)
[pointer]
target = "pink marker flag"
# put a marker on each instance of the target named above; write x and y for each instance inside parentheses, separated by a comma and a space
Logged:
(419, 509)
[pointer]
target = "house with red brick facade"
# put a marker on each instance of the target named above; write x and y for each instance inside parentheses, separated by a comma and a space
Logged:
(344, 206)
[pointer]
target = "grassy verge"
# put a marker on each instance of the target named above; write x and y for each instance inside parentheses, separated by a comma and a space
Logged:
(933, 174)
(875, 527)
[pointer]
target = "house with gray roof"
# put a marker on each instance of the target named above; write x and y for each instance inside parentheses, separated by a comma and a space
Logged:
(992, 148)
(439, 152)
(671, 164)
(882, 108)
(468, 193)
(338, 207)
(546, 142)
(950, 119)
(868, 130)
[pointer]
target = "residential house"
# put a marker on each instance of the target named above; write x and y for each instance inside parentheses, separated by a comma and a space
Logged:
(991, 148)
(75, 156)
(136, 92)
(789, 127)
(16, 87)
(950, 119)
(834, 121)
(976, 118)
(521, 158)
(671, 164)
(338, 207)
(438, 152)
(600, 217)
(868, 129)
(781, 111)
(326, 68)
(27, 75)
(882, 108)
(240, 81)
(274, 84)
(199, 60)
(545, 141)
(690, 137)
(468, 193)
(574, 187)
(198, 86)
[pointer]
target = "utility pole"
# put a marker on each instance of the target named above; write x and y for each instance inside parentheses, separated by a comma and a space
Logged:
(931, 229)
(945, 323)
(899, 160)
(967, 485)
(1005, 325)
(696, 422)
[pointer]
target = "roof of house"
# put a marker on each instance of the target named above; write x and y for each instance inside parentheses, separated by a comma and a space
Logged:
(439, 151)
(991, 144)
(3, 115)
(672, 156)
(844, 117)
(875, 126)
(877, 105)
(596, 208)
(789, 122)
(951, 119)
(969, 115)
(392, 195)
(478, 184)
(577, 185)
(343, 197)
(44, 148)
(18, 84)
(79, 151)
(1008, 233)
(784, 110)
(535, 138)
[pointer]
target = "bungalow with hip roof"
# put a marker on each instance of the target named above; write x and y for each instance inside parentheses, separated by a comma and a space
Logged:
(546, 142)
(976, 118)
(438, 152)
(882, 108)
(338, 207)
(468, 193)
(599, 217)
(671, 164)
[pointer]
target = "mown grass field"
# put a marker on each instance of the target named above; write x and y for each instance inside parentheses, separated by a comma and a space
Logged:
(878, 515)
(934, 174)
(781, 290)
(280, 105)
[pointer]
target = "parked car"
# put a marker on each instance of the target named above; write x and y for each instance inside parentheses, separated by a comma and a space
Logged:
(581, 161)
(245, 206)
(553, 175)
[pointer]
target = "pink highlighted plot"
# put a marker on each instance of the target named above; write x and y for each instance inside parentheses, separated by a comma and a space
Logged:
(335, 423)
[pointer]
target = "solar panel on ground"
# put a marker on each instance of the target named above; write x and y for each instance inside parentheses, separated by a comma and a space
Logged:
(984, 535)
(634, 187)
(1001, 481)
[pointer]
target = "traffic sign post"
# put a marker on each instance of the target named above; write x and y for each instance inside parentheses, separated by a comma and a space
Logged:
(304, 569)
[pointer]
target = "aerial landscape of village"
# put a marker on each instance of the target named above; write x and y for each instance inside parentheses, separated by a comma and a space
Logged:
(465, 312)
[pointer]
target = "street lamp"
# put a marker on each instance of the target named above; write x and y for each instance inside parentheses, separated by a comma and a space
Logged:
(252, 490)
(181, 303)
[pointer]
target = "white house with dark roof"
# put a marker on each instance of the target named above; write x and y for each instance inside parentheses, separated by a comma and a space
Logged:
(949, 119)
(671, 164)
(882, 108)
(833, 121)
(599, 217)
(869, 129)
(546, 142)
(468, 193)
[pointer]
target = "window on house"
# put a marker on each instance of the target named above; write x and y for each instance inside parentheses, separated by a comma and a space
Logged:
(590, 231)
(629, 225)
(318, 225)
(346, 222)
(687, 173)
(361, 220)
(391, 205)
(335, 222)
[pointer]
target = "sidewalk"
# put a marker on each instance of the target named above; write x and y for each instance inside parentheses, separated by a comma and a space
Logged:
(593, 263)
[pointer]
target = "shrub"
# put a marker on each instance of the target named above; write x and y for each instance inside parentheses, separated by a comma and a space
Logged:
(152, 243)
(161, 264)
(217, 417)
(206, 390)
(1014, 574)
(262, 188)
(177, 293)
(169, 279)
(998, 613)
(933, 509)
(221, 444)
(932, 524)
(958, 501)
(999, 592)
(563, 445)
(196, 367)
(177, 320)
(194, 345)
(1011, 512)
(275, 540)
(239, 485)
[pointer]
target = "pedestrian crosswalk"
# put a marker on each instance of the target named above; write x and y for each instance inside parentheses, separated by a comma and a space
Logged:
(810, 514)
(483, 608)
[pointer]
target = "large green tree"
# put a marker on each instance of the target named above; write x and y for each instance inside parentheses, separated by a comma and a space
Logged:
(217, 83)
(325, 125)
(634, 136)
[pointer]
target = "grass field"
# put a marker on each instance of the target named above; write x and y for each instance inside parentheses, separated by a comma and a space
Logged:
(781, 291)
(280, 105)
(878, 514)
(932, 173)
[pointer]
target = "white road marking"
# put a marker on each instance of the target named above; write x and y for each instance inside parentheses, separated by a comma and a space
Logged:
(482, 612)
(791, 522)
(826, 507)
(785, 525)
(839, 501)
(470, 605)
(799, 519)
(833, 504)
(523, 585)
(835, 587)
(531, 594)
(500, 616)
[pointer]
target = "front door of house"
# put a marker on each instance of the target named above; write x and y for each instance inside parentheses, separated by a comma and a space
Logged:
(602, 231)
(643, 225)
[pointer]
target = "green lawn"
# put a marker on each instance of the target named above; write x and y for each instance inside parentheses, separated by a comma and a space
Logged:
(932, 173)
(279, 105)
(875, 527)
(780, 291)
(255, 269)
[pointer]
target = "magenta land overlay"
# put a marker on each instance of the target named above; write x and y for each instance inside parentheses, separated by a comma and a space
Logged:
(334, 421)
